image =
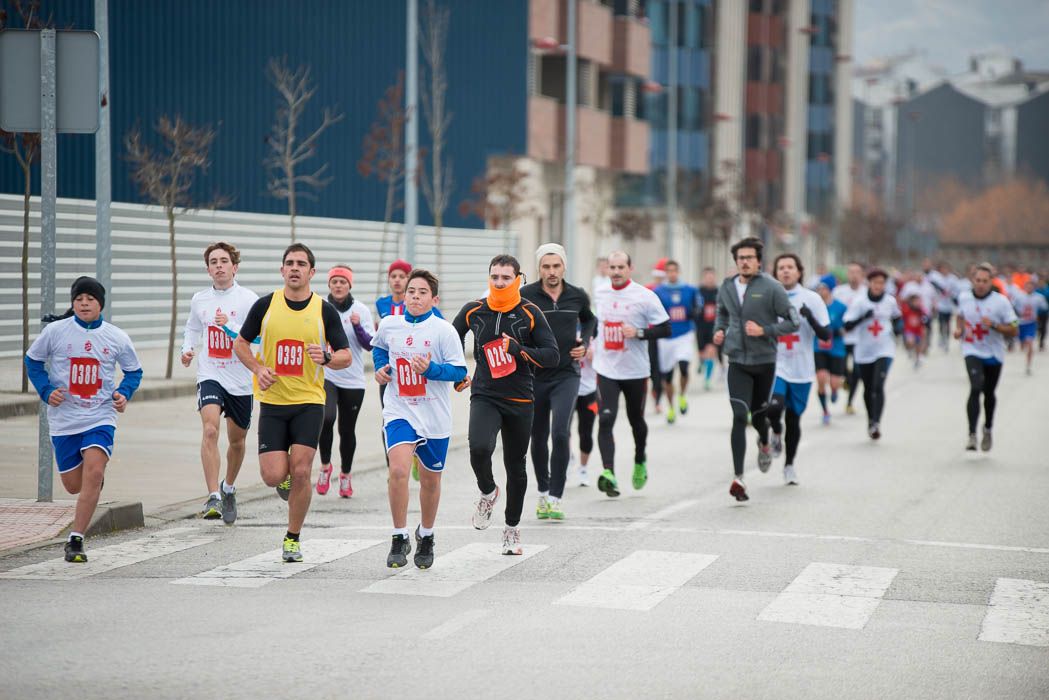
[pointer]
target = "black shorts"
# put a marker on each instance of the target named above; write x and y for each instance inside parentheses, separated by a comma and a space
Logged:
(280, 427)
(834, 365)
(236, 408)
(704, 335)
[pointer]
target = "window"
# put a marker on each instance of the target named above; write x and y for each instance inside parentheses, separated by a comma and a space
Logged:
(754, 131)
(656, 110)
(552, 77)
(657, 22)
(754, 61)
(757, 6)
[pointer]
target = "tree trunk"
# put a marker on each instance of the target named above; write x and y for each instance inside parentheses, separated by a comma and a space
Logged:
(174, 291)
(27, 173)
(438, 225)
(291, 204)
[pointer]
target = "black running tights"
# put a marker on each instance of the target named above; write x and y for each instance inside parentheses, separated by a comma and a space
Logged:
(873, 375)
(749, 387)
(346, 403)
(983, 379)
(490, 417)
(633, 391)
(793, 435)
(586, 410)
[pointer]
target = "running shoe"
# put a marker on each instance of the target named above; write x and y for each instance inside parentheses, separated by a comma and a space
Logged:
(738, 489)
(229, 507)
(607, 484)
(291, 552)
(706, 385)
(970, 445)
(584, 477)
(790, 477)
(400, 548)
(874, 430)
(284, 488)
(512, 541)
(640, 477)
(834, 396)
(986, 443)
(671, 416)
(826, 419)
(482, 516)
(777, 445)
(324, 479)
(682, 404)
(764, 456)
(212, 509)
(542, 508)
(423, 550)
(556, 510)
(75, 550)
(850, 410)
(345, 487)
(415, 468)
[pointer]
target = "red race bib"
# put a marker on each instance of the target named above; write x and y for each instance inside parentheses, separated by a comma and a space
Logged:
(614, 336)
(290, 357)
(85, 377)
(710, 312)
(499, 363)
(408, 382)
(678, 314)
(220, 345)
(826, 344)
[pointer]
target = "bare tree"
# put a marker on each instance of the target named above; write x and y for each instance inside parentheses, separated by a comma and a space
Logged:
(499, 197)
(438, 183)
(286, 152)
(165, 177)
(25, 147)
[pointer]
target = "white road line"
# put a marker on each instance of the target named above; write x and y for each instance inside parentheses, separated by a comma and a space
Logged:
(640, 581)
(111, 557)
(654, 518)
(447, 629)
(1018, 613)
(831, 595)
(453, 572)
(257, 571)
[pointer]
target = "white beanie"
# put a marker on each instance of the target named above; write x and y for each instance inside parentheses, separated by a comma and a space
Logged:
(551, 249)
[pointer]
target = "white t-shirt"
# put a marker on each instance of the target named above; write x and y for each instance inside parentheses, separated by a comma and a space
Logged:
(874, 338)
(217, 361)
(83, 364)
(795, 352)
(846, 295)
(948, 289)
(426, 405)
(616, 356)
(351, 377)
(979, 340)
(741, 289)
(1028, 305)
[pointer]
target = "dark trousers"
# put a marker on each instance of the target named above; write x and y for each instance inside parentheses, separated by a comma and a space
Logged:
(749, 389)
(490, 417)
(554, 402)
(983, 379)
(346, 405)
(633, 391)
(873, 375)
(586, 410)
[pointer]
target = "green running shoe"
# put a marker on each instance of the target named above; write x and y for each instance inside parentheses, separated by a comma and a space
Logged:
(640, 476)
(682, 404)
(607, 483)
(415, 468)
(291, 553)
(212, 509)
(542, 508)
(75, 550)
(284, 488)
(671, 416)
(556, 511)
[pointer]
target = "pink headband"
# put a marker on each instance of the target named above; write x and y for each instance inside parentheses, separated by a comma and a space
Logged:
(341, 272)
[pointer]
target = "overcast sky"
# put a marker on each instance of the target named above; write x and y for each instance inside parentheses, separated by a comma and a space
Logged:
(950, 30)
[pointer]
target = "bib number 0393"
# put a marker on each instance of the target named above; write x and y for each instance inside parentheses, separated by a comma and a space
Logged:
(290, 357)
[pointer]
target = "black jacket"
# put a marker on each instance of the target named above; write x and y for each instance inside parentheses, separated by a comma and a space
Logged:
(571, 310)
(532, 346)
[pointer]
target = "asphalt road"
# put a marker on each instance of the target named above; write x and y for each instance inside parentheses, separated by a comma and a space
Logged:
(902, 569)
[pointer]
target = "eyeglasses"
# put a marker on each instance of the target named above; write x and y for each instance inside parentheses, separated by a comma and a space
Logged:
(746, 257)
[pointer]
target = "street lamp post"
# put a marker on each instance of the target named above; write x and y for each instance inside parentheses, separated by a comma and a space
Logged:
(411, 131)
(568, 207)
(671, 198)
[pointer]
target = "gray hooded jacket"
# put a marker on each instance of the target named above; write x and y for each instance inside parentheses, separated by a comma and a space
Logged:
(765, 302)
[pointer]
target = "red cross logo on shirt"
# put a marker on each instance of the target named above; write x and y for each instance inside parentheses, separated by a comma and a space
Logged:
(790, 340)
(979, 331)
(875, 328)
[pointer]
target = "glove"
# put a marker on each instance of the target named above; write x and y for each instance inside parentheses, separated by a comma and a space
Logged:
(869, 314)
(511, 346)
(806, 312)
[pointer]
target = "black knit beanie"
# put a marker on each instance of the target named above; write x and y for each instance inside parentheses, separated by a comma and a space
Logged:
(88, 285)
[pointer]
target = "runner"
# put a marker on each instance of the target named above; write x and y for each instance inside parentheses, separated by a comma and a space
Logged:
(295, 327)
(1043, 316)
(567, 309)
(629, 317)
(659, 273)
(945, 283)
(795, 361)
(1028, 304)
(72, 365)
(985, 319)
(223, 382)
(586, 405)
(344, 388)
(830, 355)
(846, 294)
(753, 312)
(875, 316)
(915, 319)
(708, 314)
(420, 357)
(681, 304)
(511, 336)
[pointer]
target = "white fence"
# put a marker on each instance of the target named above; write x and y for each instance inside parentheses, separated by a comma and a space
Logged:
(141, 296)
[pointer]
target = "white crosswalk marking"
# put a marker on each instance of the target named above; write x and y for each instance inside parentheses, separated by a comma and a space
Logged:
(111, 557)
(257, 571)
(1018, 613)
(640, 581)
(454, 572)
(831, 595)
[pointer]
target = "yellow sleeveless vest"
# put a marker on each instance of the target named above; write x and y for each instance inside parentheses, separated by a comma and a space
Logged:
(285, 335)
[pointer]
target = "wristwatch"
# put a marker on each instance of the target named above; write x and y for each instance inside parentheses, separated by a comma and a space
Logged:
(327, 357)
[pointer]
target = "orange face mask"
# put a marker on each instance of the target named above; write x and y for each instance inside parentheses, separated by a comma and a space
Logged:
(505, 299)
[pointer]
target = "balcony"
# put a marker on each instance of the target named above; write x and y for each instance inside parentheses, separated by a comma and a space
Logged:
(629, 145)
(763, 165)
(764, 98)
(765, 30)
(601, 140)
(632, 47)
(594, 26)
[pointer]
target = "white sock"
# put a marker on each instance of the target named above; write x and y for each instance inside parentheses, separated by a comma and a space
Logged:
(214, 494)
(402, 531)
(544, 494)
(226, 488)
(75, 534)
(425, 531)
(490, 496)
(553, 500)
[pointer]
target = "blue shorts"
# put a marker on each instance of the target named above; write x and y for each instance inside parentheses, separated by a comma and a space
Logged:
(431, 451)
(795, 394)
(1028, 331)
(68, 448)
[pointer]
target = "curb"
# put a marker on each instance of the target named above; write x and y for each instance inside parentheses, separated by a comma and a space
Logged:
(109, 517)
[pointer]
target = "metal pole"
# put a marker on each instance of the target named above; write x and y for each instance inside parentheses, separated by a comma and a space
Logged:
(571, 97)
(48, 184)
(671, 199)
(411, 132)
(103, 180)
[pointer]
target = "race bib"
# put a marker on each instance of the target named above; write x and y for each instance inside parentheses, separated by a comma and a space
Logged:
(220, 345)
(710, 312)
(826, 344)
(678, 313)
(500, 364)
(290, 357)
(614, 336)
(1028, 314)
(409, 383)
(85, 377)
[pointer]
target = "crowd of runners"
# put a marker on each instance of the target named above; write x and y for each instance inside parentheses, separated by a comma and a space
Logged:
(548, 356)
